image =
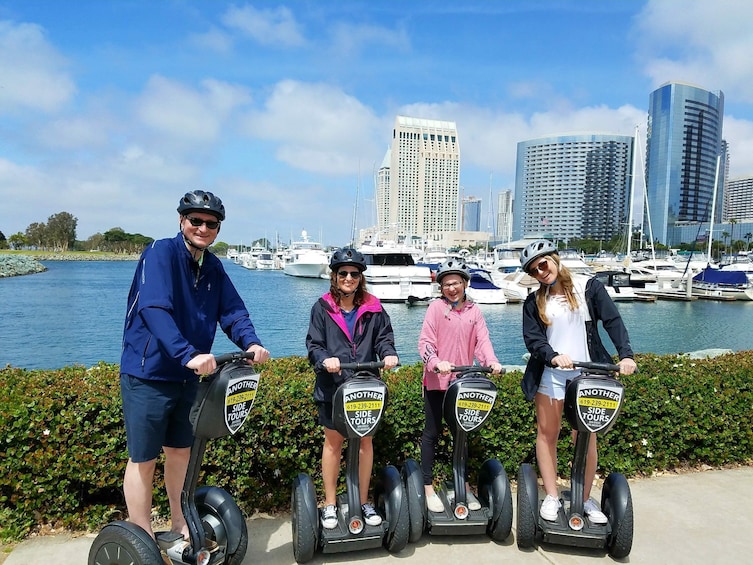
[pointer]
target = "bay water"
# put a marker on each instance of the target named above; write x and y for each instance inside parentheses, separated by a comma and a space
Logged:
(73, 313)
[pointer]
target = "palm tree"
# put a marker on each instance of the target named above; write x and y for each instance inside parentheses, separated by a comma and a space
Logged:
(748, 237)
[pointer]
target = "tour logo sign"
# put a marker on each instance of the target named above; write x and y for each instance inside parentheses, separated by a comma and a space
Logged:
(598, 405)
(239, 398)
(363, 409)
(473, 406)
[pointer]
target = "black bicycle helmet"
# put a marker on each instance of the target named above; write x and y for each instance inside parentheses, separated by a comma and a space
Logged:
(201, 201)
(347, 256)
(453, 267)
(534, 250)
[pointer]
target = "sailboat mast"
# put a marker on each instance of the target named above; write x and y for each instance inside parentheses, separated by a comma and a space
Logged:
(713, 208)
(632, 200)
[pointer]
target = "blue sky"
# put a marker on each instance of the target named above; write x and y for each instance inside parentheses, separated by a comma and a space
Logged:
(111, 110)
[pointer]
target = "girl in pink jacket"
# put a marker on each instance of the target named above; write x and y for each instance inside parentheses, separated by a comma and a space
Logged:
(454, 333)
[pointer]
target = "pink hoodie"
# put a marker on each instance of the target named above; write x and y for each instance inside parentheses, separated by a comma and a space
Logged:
(457, 336)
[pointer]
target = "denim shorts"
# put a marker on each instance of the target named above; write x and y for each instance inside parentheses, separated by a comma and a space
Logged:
(554, 381)
(156, 415)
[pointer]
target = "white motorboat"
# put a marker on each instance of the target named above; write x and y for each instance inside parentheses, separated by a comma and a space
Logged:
(305, 258)
(392, 275)
(482, 289)
(517, 285)
(724, 285)
(265, 261)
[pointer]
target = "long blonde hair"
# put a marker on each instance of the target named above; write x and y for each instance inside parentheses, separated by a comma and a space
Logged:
(565, 278)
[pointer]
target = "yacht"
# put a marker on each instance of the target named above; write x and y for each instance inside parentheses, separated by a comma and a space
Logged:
(265, 261)
(482, 290)
(393, 276)
(305, 258)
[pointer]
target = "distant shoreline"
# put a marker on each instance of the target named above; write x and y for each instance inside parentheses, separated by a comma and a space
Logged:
(19, 263)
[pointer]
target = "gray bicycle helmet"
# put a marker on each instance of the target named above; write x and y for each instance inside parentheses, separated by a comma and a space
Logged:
(534, 250)
(453, 267)
(347, 256)
(201, 201)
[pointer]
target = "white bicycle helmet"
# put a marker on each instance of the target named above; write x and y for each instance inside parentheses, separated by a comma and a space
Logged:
(534, 250)
(453, 267)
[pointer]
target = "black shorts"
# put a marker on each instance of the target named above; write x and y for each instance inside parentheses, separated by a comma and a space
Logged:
(325, 415)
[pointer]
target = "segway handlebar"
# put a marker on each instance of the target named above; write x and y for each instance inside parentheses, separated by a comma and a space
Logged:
(234, 356)
(370, 366)
(597, 368)
(472, 368)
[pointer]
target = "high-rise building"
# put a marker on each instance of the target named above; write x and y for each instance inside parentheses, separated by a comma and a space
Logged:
(573, 186)
(684, 150)
(418, 181)
(471, 214)
(738, 199)
(504, 216)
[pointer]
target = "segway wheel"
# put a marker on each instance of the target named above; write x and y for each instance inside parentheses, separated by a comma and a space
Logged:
(527, 510)
(304, 518)
(223, 522)
(617, 504)
(123, 543)
(391, 500)
(414, 490)
(494, 488)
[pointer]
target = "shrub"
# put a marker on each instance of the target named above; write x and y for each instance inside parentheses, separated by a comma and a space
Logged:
(63, 449)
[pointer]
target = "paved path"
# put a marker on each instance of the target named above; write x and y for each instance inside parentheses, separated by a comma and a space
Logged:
(700, 517)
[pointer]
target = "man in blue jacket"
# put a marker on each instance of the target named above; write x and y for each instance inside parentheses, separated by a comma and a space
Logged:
(179, 294)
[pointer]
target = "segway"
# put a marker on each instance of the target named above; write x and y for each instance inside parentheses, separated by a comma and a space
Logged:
(217, 527)
(358, 407)
(592, 404)
(467, 404)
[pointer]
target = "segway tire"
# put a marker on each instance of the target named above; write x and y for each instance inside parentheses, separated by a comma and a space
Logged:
(305, 522)
(123, 543)
(527, 510)
(223, 522)
(617, 504)
(414, 490)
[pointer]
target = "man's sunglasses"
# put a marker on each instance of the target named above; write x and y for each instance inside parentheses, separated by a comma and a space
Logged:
(196, 222)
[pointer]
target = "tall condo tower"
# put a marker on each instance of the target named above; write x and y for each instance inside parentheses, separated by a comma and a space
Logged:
(471, 207)
(418, 182)
(683, 141)
(573, 186)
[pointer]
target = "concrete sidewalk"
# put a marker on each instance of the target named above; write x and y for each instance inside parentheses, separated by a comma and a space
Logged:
(698, 517)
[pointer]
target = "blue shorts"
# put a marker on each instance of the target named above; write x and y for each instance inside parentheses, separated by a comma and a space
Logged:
(156, 415)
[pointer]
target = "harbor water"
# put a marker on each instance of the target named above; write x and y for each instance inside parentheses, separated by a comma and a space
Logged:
(72, 314)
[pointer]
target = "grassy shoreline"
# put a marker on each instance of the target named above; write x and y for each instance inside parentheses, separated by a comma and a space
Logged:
(71, 255)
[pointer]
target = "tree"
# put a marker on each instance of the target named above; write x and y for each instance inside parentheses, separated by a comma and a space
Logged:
(36, 234)
(748, 237)
(61, 231)
(18, 241)
(3, 241)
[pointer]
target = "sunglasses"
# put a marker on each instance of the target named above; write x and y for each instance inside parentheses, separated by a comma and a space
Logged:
(541, 267)
(355, 275)
(196, 222)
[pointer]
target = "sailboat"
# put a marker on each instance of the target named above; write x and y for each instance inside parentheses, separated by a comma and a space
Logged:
(715, 283)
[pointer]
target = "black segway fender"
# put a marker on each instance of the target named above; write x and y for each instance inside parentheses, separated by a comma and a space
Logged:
(494, 489)
(221, 504)
(617, 504)
(391, 495)
(416, 497)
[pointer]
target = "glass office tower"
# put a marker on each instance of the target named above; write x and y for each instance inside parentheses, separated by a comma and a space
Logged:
(683, 141)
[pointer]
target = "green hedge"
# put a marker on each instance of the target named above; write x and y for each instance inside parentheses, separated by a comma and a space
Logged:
(63, 447)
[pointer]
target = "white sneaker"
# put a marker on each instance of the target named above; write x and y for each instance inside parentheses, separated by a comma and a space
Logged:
(434, 503)
(591, 509)
(550, 508)
(329, 517)
(473, 503)
(370, 515)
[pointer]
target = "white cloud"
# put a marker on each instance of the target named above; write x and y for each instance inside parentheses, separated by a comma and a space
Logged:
(319, 128)
(189, 115)
(705, 43)
(350, 39)
(213, 40)
(33, 75)
(276, 27)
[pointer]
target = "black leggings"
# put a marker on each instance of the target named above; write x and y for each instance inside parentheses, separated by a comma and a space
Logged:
(433, 402)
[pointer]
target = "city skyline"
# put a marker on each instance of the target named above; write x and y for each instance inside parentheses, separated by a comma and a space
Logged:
(111, 110)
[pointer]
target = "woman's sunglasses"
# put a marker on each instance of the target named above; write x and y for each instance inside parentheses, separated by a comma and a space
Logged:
(355, 275)
(541, 267)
